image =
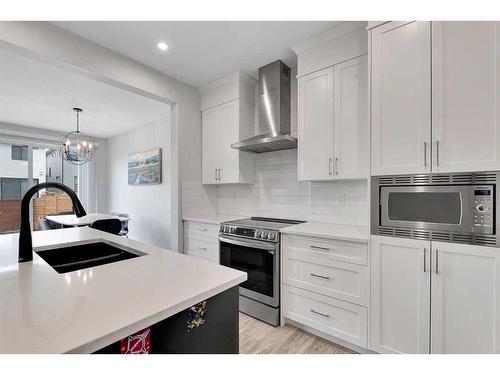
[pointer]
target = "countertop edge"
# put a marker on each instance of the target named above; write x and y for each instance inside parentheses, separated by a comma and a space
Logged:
(318, 234)
(215, 220)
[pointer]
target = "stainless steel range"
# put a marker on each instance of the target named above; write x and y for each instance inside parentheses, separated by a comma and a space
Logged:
(253, 246)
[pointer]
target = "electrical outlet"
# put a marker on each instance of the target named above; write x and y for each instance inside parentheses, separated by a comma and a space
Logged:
(341, 198)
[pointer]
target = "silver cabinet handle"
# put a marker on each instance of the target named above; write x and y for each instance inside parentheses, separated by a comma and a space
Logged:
(220, 174)
(205, 229)
(425, 261)
(437, 152)
(320, 248)
(425, 154)
(336, 166)
(319, 276)
(202, 248)
(319, 313)
(437, 262)
(215, 174)
(330, 166)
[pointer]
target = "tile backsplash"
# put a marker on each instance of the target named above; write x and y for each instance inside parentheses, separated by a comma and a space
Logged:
(277, 193)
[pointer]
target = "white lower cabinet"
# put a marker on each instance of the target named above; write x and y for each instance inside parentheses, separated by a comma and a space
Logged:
(434, 297)
(332, 316)
(400, 294)
(326, 286)
(201, 240)
(465, 304)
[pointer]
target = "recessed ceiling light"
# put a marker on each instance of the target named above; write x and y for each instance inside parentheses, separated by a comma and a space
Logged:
(163, 46)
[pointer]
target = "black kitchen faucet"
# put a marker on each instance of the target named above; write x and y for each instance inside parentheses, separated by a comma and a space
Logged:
(25, 243)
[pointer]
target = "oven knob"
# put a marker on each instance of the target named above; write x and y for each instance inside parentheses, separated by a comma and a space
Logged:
(271, 236)
(226, 229)
(264, 235)
(233, 230)
(257, 234)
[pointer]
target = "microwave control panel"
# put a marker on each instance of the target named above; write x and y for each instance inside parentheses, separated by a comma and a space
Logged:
(483, 209)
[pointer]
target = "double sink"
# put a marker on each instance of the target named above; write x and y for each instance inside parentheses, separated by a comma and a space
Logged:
(78, 257)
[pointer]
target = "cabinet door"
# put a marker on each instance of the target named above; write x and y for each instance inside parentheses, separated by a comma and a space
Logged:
(466, 97)
(400, 283)
(229, 125)
(210, 141)
(315, 127)
(465, 299)
(401, 98)
(351, 118)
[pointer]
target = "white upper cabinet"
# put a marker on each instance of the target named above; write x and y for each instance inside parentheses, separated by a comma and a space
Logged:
(462, 134)
(401, 98)
(333, 129)
(400, 295)
(465, 96)
(465, 299)
(333, 122)
(315, 126)
(210, 145)
(350, 112)
(228, 115)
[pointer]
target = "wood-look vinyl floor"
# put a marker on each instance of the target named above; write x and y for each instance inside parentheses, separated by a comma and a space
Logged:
(257, 337)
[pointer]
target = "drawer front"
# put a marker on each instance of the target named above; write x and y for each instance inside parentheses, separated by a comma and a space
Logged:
(346, 281)
(202, 229)
(322, 248)
(344, 320)
(208, 249)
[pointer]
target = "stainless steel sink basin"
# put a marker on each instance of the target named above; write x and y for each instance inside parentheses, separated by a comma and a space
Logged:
(78, 257)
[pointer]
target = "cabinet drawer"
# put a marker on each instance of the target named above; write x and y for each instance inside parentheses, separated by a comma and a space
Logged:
(346, 281)
(193, 246)
(344, 320)
(202, 227)
(324, 249)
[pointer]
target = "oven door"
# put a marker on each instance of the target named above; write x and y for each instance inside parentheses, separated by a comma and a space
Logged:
(440, 208)
(260, 260)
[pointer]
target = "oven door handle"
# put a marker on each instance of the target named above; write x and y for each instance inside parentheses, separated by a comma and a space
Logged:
(248, 243)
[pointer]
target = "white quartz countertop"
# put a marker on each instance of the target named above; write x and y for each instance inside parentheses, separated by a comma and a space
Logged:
(212, 219)
(326, 230)
(42, 311)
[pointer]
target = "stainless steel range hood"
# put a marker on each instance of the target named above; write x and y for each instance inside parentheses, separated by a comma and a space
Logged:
(274, 111)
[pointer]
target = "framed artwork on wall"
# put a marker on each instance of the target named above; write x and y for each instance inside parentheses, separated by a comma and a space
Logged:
(144, 168)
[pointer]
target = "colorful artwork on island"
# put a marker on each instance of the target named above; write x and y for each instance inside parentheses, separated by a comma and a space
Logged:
(196, 315)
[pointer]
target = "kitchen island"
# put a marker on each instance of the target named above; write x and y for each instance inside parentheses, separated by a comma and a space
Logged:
(84, 311)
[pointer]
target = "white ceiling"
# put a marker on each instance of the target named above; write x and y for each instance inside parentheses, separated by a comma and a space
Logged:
(36, 94)
(200, 52)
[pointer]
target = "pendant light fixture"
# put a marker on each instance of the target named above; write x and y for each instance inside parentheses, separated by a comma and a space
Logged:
(77, 147)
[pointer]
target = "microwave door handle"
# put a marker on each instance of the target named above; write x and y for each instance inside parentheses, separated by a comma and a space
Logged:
(248, 243)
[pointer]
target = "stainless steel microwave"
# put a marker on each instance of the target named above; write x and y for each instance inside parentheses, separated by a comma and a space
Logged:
(443, 207)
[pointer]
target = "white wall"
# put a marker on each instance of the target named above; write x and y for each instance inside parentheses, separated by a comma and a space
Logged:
(149, 206)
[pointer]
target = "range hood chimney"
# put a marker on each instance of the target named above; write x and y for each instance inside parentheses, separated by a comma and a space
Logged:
(274, 111)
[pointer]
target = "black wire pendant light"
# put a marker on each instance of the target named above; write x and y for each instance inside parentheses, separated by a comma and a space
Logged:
(77, 147)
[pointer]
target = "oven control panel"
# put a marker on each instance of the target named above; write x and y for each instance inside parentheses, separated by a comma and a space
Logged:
(255, 233)
(483, 213)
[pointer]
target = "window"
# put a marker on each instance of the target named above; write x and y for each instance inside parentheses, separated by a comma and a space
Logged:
(20, 153)
(14, 188)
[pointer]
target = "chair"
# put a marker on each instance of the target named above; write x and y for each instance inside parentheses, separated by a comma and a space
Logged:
(124, 230)
(45, 224)
(113, 226)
